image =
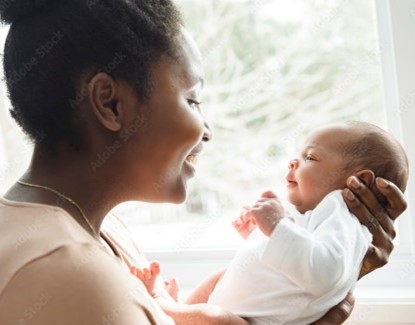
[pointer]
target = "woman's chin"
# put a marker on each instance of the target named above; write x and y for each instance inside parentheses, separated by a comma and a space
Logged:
(179, 195)
(176, 194)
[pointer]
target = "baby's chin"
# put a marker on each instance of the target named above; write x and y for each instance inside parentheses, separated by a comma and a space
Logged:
(301, 210)
(303, 207)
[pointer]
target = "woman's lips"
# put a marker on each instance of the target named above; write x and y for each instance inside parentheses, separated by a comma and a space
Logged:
(193, 156)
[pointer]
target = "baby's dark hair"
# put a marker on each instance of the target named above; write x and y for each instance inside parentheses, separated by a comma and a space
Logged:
(52, 43)
(375, 149)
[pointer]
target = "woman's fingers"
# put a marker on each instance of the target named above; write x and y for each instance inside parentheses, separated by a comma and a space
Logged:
(367, 208)
(364, 195)
(396, 200)
(374, 258)
(378, 218)
(339, 313)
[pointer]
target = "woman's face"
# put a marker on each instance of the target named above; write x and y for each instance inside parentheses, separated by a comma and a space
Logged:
(171, 128)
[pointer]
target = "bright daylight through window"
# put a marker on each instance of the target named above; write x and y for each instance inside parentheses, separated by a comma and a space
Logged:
(274, 70)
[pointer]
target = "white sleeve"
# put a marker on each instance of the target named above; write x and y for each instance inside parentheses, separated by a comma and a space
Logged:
(325, 254)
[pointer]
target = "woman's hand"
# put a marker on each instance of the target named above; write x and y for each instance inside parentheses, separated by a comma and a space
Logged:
(200, 314)
(377, 218)
(339, 313)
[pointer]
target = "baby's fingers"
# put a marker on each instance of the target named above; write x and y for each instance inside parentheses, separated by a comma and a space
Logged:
(269, 195)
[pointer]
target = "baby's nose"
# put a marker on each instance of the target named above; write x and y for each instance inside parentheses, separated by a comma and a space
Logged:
(293, 164)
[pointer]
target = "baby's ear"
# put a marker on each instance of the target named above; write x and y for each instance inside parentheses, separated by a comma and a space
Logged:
(366, 176)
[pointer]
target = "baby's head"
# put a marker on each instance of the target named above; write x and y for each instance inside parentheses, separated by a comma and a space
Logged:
(333, 153)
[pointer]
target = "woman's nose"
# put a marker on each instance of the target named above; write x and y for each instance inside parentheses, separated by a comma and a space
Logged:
(207, 134)
(293, 164)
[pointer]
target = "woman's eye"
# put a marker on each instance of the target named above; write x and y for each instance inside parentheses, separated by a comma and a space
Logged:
(194, 104)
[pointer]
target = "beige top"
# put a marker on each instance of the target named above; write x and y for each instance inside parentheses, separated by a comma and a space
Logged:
(53, 272)
(122, 241)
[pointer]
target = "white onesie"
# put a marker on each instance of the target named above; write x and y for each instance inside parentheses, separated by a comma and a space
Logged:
(301, 271)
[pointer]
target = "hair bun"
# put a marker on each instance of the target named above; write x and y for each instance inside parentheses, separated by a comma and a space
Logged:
(13, 10)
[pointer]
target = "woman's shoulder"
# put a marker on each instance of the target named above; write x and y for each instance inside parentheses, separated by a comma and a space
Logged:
(76, 284)
(31, 231)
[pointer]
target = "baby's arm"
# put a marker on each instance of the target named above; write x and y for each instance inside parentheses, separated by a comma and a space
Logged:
(324, 255)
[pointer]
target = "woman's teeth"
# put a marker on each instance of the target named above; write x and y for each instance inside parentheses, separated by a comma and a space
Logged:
(192, 159)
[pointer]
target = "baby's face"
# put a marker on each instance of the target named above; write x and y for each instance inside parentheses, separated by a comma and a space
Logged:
(318, 170)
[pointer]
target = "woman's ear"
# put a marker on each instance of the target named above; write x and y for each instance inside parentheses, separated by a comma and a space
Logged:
(103, 92)
(366, 176)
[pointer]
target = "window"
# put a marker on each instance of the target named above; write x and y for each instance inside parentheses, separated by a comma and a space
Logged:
(274, 71)
(387, 295)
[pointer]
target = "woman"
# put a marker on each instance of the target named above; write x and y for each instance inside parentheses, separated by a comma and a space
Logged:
(109, 92)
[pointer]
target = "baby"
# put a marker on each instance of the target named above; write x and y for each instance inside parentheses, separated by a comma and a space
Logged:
(295, 269)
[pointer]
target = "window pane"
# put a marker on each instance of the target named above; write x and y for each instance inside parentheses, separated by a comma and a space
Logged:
(274, 71)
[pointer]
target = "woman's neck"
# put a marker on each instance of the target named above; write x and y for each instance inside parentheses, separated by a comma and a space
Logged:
(82, 193)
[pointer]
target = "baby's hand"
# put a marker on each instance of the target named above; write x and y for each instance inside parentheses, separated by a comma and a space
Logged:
(148, 276)
(244, 224)
(267, 212)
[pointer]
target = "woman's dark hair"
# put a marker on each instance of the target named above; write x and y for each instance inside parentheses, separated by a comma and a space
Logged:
(52, 42)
